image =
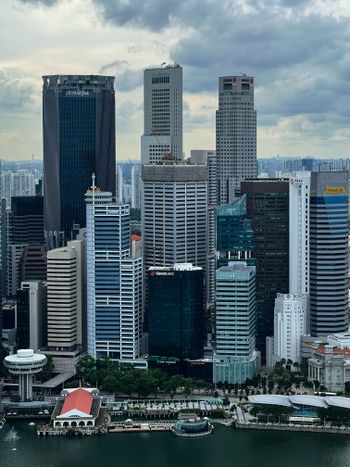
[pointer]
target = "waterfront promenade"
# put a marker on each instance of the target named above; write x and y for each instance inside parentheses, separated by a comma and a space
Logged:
(342, 430)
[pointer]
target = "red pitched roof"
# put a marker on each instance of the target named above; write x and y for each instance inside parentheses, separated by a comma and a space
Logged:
(80, 399)
(345, 352)
(135, 238)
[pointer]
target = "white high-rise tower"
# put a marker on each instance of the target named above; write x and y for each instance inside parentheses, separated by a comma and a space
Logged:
(162, 114)
(175, 214)
(235, 135)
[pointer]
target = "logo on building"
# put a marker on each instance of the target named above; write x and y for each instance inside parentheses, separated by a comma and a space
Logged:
(332, 190)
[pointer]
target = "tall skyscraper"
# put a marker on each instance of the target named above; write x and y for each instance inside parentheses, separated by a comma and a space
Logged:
(208, 158)
(234, 232)
(32, 264)
(136, 186)
(26, 220)
(119, 184)
(175, 214)
(162, 134)
(25, 229)
(114, 282)
(176, 311)
(31, 315)
(235, 358)
(291, 314)
(299, 233)
(3, 247)
(329, 253)
(235, 135)
(79, 140)
(268, 208)
(65, 298)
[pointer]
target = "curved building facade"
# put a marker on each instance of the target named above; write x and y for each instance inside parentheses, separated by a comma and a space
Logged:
(329, 256)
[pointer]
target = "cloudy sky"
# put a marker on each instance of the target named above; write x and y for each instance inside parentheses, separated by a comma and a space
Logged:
(298, 51)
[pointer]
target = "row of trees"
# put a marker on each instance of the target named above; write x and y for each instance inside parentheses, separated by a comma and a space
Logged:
(126, 379)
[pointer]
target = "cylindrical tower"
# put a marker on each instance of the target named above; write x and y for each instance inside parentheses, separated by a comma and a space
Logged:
(25, 364)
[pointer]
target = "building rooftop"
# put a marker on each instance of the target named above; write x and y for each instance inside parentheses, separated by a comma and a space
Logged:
(176, 267)
(270, 399)
(25, 356)
(306, 400)
(337, 401)
(79, 400)
(313, 401)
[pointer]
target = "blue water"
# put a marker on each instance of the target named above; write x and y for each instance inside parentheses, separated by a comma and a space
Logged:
(225, 448)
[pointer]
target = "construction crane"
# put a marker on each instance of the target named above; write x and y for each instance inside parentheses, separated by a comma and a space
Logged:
(167, 154)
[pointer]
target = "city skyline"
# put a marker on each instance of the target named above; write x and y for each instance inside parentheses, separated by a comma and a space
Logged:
(300, 105)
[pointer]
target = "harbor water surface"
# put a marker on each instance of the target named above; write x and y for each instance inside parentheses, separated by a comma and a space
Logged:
(225, 448)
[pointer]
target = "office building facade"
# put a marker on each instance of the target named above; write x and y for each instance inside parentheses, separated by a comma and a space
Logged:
(235, 358)
(235, 135)
(329, 253)
(31, 315)
(174, 215)
(162, 135)
(26, 220)
(208, 158)
(176, 311)
(290, 324)
(25, 230)
(136, 186)
(299, 233)
(65, 299)
(234, 232)
(267, 203)
(114, 281)
(79, 140)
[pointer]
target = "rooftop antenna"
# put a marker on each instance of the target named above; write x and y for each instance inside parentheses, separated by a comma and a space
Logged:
(93, 187)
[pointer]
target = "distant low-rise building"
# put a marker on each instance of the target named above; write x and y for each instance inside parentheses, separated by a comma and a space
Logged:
(330, 364)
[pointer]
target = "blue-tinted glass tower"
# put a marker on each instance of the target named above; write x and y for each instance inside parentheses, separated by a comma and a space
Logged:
(329, 255)
(114, 281)
(79, 140)
(234, 233)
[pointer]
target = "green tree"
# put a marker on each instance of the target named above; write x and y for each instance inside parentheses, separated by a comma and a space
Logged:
(86, 369)
(47, 369)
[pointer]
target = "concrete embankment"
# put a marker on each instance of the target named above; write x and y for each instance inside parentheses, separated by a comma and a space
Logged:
(290, 427)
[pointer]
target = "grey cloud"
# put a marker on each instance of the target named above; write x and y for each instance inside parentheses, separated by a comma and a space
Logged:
(262, 41)
(126, 78)
(129, 80)
(126, 114)
(159, 14)
(17, 92)
(113, 66)
(47, 3)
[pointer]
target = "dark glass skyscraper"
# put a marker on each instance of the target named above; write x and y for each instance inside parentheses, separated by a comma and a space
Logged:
(329, 255)
(25, 231)
(268, 208)
(79, 140)
(234, 232)
(176, 311)
(26, 222)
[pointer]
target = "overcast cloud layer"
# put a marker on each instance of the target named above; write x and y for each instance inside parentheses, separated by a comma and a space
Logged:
(297, 50)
